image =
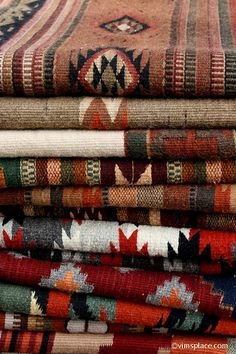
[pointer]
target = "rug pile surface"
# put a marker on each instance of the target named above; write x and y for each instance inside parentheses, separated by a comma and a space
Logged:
(117, 176)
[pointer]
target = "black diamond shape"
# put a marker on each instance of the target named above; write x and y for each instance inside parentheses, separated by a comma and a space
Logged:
(125, 25)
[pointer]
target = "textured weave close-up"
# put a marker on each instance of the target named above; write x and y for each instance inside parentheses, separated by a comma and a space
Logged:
(118, 176)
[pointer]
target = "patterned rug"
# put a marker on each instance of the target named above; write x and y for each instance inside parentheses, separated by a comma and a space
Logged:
(208, 293)
(29, 172)
(67, 47)
(117, 238)
(191, 266)
(219, 198)
(170, 321)
(42, 309)
(105, 113)
(156, 217)
(39, 342)
(137, 144)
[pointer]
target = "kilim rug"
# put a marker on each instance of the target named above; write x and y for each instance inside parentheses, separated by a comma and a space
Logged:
(171, 321)
(50, 308)
(117, 238)
(137, 144)
(39, 342)
(219, 198)
(115, 113)
(175, 218)
(208, 293)
(192, 266)
(67, 47)
(28, 172)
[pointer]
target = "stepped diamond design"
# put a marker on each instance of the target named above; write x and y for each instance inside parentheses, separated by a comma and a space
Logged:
(125, 25)
(109, 71)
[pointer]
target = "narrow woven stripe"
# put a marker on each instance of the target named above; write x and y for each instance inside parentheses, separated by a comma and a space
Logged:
(191, 266)
(136, 144)
(220, 198)
(118, 114)
(29, 172)
(169, 322)
(210, 294)
(37, 342)
(155, 217)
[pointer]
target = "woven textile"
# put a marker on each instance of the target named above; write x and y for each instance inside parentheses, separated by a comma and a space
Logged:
(22, 322)
(73, 309)
(192, 266)
(29, 172)
(115, 113)
(210, 294)
(162, 144)
(220, 198)
(115, 237)
(38, 342)
(144, 216)
(66, 47)
(168, 321)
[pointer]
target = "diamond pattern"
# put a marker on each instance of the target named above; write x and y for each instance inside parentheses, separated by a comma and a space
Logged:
(125, 25)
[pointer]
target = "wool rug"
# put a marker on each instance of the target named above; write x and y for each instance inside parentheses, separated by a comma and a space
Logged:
(43, 304)
(137, 144)
(219, 198)
(29, 172)
(172, 321)
(192, 266)
(104, 113)
(156, 217)
(68, 48)
(115, 237)
(54, 342)
(208, 293)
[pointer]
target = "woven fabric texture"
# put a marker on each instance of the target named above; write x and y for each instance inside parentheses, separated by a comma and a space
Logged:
(67, 48)
(38, 342)
(28, 172)
(191, 266)
(156, 217)
(220, 198)
(117, 238)
(208, 293)
(137, 144)
(115, 113)
(119, 315)
(169, 321)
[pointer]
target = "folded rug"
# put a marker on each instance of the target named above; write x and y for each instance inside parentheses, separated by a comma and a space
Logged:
(72, 309)
(22, 322)
(115, 113)
(114, 237)
(54, 342)
(168, 321)
(208, 198)
(175, 218)
(54, 48)
(29, 172)
(191, 266)
(210, 294)
(163, 143)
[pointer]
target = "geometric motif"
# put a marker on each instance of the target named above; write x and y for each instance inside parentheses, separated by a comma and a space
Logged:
(67, 278)
(109, 65)
(175, 293)
(17, 15)
(109, 71)
(125, 24)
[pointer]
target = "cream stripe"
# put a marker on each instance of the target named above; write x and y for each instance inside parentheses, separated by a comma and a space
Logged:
(67, 143)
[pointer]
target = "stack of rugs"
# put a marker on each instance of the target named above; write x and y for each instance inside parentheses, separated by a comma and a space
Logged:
(118, 176)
